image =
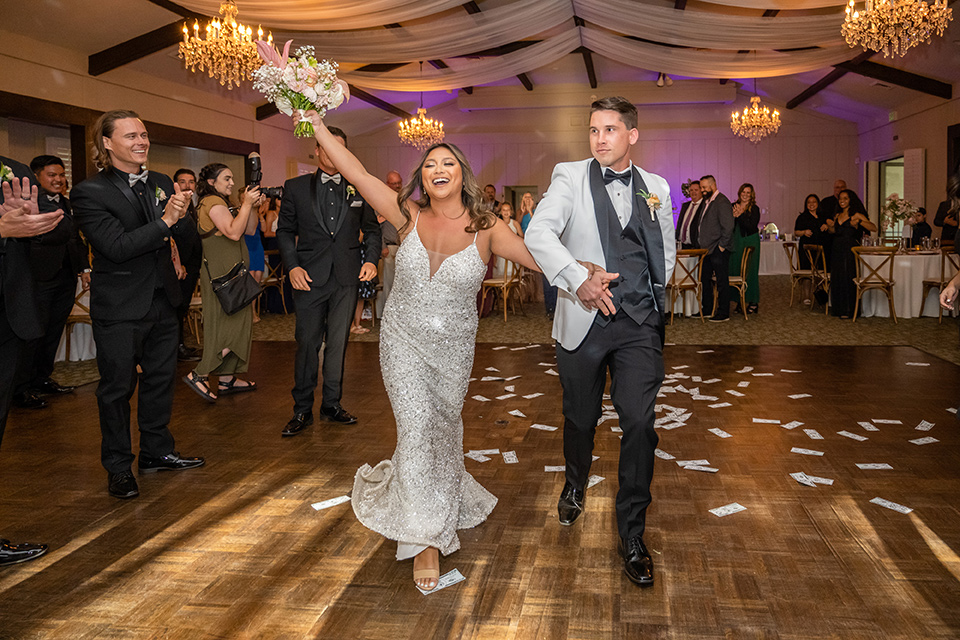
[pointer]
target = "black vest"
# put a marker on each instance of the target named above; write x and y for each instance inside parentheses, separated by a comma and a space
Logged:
(625, 253)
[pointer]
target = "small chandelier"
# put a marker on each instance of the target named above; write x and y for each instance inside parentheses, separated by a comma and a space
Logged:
(755, 123)
(229, 52)
(893, 26)
(421, 131)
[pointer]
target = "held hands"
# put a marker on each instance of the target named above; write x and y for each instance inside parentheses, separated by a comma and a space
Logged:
(20, 215)
(368, 272)
(594, 293)
(176, 205)
(300, 279)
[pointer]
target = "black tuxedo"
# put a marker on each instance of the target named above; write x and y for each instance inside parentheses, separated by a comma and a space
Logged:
(685, 212)
(133, 295)
(56, 258)
(190, 246)
(716, 232)
(18, 309)
(319, 230)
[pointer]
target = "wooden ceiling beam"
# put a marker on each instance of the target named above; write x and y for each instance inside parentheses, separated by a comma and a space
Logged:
(899, 77)
(680, 5)
(769, 13)
(134, 49)
(824, 82)
(525, 81)
(471, 7)
(588, 63)
(269, 109)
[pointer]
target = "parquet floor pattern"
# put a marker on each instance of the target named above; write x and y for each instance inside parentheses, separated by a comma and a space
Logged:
(234, 550)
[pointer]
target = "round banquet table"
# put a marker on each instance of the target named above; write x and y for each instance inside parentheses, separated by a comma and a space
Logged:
(909, 272)
(773, 259)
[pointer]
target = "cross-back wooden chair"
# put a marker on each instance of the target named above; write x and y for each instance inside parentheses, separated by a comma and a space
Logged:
(195, 314)
(819, 274)
(871, 278)
(797, 275)
(740, 282)
(504, 286)
(79, 314)
(949, 265)
(273, 277)
(687, 278)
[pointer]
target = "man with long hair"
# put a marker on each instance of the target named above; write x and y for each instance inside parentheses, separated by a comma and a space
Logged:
(126, 213)
(607, 211)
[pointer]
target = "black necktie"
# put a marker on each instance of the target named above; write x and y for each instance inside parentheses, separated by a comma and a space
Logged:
(610, 175)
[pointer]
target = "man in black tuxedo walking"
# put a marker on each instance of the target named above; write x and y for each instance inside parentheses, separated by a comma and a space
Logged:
(318, 232)
(126, 213)
(20, 219)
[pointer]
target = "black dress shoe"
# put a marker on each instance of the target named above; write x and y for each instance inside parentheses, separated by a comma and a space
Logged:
(29, 400)
(337, 414)
(719, 318)
(51, 387)
(186, 354)
(297, 423)
(170, 462)
(122, 485)
(637, 563)
(15, 553)
(570, 505)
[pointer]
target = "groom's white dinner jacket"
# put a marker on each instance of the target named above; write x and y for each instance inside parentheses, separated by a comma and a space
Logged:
(564, 229)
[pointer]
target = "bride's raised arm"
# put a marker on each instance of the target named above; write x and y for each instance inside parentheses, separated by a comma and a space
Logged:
(378, 195)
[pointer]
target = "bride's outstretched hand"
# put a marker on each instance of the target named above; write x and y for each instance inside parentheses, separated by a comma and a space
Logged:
(312, 116)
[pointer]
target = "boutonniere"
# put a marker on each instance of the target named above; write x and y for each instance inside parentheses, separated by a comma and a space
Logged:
(653, 202)
(161, 196)
(6, 173)
(351, 191)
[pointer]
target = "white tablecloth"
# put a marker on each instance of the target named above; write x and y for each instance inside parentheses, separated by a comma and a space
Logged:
(81, 339)
(693, 304)
(909, 272)
(773, 259)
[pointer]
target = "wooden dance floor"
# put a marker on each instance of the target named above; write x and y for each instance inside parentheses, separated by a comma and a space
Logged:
(234, 550)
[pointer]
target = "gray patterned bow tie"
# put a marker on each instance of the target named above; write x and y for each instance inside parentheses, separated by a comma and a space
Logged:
(134, 178)
(54, 198)
(324, 178)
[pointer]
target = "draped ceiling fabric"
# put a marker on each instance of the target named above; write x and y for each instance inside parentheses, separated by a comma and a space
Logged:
(700, 43)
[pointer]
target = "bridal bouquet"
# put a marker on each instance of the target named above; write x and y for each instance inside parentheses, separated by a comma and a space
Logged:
(299, 83)
(896, 209)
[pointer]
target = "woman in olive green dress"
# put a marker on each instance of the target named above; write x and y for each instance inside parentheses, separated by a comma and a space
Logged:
(226, 338)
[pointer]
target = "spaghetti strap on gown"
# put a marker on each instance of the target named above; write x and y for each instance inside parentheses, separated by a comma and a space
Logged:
(424, 494)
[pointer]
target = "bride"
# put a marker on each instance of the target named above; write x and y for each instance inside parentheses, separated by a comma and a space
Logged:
(424, 494)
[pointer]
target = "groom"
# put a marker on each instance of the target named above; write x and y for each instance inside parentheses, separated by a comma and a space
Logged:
(608, 212)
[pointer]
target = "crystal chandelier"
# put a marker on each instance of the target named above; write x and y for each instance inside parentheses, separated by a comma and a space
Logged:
(893, 26)
(229, 52)
(755, 123)
(421, 131)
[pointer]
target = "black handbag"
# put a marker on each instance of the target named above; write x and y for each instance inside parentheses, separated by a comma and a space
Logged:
(235, 289)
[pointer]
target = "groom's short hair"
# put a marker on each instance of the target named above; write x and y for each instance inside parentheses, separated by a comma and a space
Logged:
(628, 112)
(338, 132)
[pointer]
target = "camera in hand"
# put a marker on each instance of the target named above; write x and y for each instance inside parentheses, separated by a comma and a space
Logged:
(255, 175)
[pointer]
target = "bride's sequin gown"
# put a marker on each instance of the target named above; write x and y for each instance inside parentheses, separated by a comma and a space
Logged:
(424, 494)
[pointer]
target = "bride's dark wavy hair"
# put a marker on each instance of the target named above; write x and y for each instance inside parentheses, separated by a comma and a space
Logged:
(470, 195)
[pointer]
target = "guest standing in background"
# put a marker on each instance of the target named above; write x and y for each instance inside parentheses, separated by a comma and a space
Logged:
(190, 248)
(746, 233)
(391, 242)
(366, 291)
(490, 199)
(715, 234)
(850, 225)
(255, 250)
(811, 228)
(946, 215)
(829, 206)
(921, 229)
(527, 205)
(689, 219)
(126, 214)
(226, 338)
(506, 214)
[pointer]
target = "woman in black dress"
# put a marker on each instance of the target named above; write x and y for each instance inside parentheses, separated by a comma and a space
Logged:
(850, 225)
(812, 227)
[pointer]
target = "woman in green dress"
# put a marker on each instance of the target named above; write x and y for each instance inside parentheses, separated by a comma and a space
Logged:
(226, 338)
(746, 233)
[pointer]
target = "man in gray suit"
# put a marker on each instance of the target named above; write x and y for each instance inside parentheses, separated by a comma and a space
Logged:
(716, 236)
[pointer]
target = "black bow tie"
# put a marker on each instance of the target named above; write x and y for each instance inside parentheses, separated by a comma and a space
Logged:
(325, 178)
(134, 178)
(610, 175)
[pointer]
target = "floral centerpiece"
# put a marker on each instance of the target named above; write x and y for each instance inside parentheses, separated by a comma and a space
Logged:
(896, 209)
(299, 83)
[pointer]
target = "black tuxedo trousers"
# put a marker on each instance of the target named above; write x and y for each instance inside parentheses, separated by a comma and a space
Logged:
(633, 353)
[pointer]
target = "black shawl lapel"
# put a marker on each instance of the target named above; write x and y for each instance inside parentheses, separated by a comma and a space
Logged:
(315, 200)
(344, 207)
(153, 200)
(125, 189)
(652, 239)
(602, 206)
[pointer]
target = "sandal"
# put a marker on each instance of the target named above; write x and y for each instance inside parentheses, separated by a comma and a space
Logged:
(432, 574)
(199, 385)
(226, 388)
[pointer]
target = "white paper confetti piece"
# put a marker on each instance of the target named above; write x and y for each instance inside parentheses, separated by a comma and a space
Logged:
(547, 364)
(952, 410)
(891, 505)
(793, 424)
(879, 421)
(494, 369)
(501, 347)
(446, 580)
(543, 427)
(813, 434)
(595, 458)
(868, 426)
(486, 452)
(490, 378)
(719, 405)
(727, 510)
(332, 502)
(533, 395)
(743, 384)
(711, 381)
(670, 425)
(819, 480)
(790, 371)
(680, 366)
(873, 465)
(510, 378)
(706, 398)
(510, 457)
(517, 413)
(927, 440)
(918, 364)
(616, 429)
(555, 468)
(594, 480)
(806, 452)
(803, 479)
(798, 396)
(687, 463)
(697, 467)
(517, 348)
(663, 455)
(697, 379)
(551, 372)
(852, 436)
(480, 398)
(763, 375)
(474, 455)
(705, 351)
(720, 433)
(507, 395)
(924, 426)
(745, 370)
(509, 388)
(765, 421)
(735, 393)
